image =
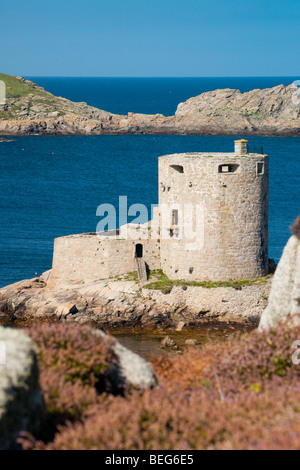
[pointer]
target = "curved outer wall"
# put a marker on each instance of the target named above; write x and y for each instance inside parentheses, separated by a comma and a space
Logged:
(232, 237)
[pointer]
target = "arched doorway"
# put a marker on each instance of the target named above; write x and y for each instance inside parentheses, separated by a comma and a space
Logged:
(139, 250)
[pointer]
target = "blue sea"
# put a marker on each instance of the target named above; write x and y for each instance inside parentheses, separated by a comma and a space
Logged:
(52, 186)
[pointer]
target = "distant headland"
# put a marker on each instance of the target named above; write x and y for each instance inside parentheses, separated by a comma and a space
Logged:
(29, 109)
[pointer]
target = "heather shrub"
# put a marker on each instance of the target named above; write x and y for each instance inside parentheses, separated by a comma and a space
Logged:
(252, 360)
(73, 364)
(246, 360)
(185, 370)
(73, 351)
(157, 420)
(239, 394)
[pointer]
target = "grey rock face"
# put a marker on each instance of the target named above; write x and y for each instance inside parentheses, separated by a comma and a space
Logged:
(284, 300)
(272, 111)
(130, 369)
(21, 402)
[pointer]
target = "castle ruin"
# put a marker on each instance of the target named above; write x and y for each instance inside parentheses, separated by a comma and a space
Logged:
(211, 224)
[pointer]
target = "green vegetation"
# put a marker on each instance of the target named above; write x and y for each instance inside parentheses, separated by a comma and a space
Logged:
(15, 88)
(5, 115)
(23, 95)
(26, 99)
(159, 281)
(254, 113)
(165, 285)
(132, 277)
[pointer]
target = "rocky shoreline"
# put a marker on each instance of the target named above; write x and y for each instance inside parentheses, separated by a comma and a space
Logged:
(114, 304)
(159, 125)
(274, 111)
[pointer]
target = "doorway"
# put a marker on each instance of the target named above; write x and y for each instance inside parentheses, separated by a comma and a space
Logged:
(139, 250)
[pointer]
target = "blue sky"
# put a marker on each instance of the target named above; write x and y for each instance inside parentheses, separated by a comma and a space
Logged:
(153, 38)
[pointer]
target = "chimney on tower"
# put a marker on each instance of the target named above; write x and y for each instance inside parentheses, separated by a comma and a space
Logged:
(241, 147)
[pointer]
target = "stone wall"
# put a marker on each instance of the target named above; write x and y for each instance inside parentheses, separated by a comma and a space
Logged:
(121, 258)
(212, 224)
(88, 258)
(231, 228)
(80, 258)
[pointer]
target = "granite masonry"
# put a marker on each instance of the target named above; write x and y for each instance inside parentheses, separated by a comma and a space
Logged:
(211, 224)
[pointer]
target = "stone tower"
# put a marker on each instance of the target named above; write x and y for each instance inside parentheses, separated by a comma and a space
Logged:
(213, 210)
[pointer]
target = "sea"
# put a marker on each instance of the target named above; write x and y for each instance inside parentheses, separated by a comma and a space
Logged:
(52, 185)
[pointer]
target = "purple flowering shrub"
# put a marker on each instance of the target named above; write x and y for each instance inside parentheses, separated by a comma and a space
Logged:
(73, 365)
(239, 394)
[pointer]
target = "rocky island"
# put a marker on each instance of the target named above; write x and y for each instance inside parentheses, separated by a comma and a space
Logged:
(157, 274)
(29, 109)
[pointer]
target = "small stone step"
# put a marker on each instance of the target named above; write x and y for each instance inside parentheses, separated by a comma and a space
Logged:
(141, 270)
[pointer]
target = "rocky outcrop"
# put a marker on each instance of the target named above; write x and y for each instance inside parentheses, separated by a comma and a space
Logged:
(21, 402)
(117, 303)
(284, 300)
(274, 111)
(129, 370)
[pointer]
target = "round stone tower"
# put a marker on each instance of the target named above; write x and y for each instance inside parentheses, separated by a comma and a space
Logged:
(213, 211)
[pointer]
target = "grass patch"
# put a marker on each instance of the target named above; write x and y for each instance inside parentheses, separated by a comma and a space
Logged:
(158, 274)
(165, 285)
(26, 94)
(133, 276)
(16, 88)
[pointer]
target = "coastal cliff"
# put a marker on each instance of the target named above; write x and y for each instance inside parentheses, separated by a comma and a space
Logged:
(29, 109)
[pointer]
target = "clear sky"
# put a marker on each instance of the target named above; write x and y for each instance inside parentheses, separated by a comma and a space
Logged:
(153, 38)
